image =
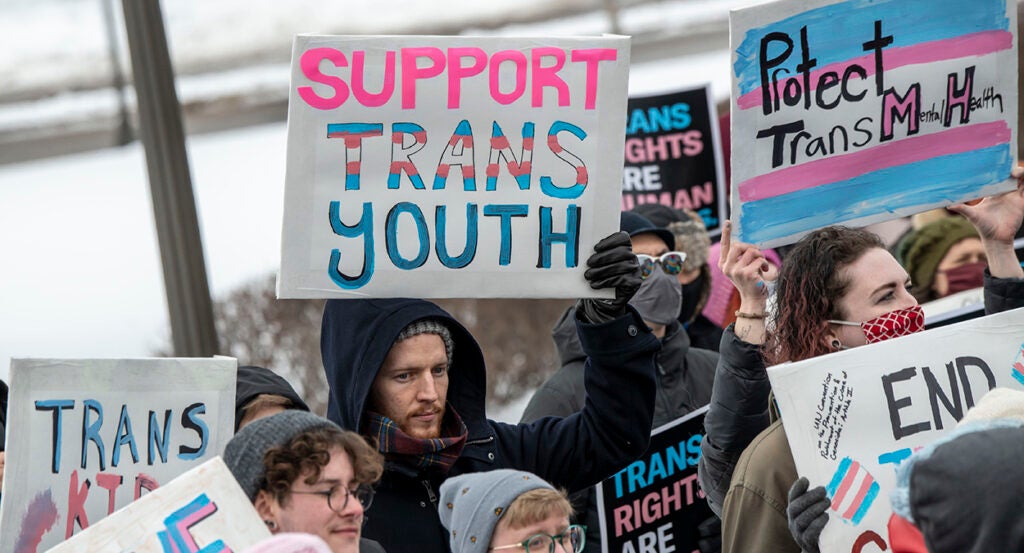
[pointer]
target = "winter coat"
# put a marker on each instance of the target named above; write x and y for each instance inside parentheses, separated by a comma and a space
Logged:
(754, 510)
(572, 452)
(685, 376)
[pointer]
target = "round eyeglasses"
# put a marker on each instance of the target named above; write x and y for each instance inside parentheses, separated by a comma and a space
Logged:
(572, 540)
(671, 263)
(338, 496)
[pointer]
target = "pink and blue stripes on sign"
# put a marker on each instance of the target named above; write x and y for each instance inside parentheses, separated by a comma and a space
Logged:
(930, 168)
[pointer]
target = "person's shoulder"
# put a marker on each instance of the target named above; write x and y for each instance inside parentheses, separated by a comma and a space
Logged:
(766, 465)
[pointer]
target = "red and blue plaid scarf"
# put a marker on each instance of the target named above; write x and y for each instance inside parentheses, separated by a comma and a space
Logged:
(433, 453)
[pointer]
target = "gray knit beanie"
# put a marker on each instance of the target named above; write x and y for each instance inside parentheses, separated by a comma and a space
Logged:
(244, 453)
(429, 326)
(471, 505)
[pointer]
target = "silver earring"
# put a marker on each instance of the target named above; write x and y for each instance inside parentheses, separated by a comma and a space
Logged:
(270, 524)
(836, 344)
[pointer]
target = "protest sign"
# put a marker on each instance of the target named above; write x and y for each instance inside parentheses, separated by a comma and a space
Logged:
(655, 503)
(851, 417)
(451, 166)
(860, 111)
(954, 308)
(203, 510)
(86, 437)
(673, 155)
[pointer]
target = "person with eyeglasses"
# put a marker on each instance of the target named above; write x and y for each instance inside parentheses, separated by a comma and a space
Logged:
(508, 510)
(305, 474)
(685, 374)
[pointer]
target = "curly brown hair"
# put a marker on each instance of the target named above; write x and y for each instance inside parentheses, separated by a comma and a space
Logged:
(809, 287)
(307, 453)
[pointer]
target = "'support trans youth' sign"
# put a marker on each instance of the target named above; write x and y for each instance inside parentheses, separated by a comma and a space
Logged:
(201, 511)
(655, 503)
(86, 437)
(451, 166)
(673, 155)
(860, 111)
(851, 417)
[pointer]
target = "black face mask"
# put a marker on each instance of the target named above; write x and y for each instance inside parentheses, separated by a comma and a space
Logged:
(691, 295)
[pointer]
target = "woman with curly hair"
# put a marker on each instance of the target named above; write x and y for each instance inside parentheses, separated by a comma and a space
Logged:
(305, 474)
(838, 288)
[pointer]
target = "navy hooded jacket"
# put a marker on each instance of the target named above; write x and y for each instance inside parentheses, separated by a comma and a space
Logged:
(572, 452)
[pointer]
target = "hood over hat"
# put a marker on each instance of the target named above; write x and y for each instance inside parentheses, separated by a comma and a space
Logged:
(355, 338)
(253, 381)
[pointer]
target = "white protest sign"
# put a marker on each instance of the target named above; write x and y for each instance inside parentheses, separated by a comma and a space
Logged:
(860, 111)
(201, 511)
(86, 437)
(851, 417)
(451, 166)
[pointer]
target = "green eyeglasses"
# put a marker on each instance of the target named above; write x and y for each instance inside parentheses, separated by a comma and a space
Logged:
(671, 263)
(541, 543)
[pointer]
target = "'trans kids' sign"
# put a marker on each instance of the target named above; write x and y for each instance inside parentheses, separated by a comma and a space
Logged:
(87, 437)
(852, 417)
(655, 504)
(860, 111)
(451, 166)
(672, 155)
(201, 511)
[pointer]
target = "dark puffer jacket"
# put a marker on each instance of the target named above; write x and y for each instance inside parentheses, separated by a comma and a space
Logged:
(685, 376)
(572, 452)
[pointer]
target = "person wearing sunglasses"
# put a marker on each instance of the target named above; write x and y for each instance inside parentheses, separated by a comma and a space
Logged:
(684, 374)
(510, 511)
(305, 474)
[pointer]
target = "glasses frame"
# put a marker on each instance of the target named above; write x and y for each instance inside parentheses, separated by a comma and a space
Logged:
(363, 493)
(525, 544)
(659, 260)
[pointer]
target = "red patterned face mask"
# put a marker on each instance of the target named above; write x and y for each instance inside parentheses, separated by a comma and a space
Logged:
(893, 324)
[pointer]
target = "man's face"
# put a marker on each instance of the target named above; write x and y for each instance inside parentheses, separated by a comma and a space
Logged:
(412, 385)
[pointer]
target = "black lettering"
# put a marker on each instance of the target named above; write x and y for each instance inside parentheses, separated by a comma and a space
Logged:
(769, 104)
(877, 44)
(936, 394)
(961, 366)
(898, 430)
(778, 132)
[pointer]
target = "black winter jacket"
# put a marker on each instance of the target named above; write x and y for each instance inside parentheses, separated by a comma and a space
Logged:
(685, 376)
(572, 452)
(739, 403)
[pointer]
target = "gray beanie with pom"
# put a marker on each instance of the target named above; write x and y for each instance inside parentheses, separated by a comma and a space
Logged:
(471, 505)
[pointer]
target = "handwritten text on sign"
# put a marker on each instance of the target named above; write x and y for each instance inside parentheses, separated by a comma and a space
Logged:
(851, 417)
(860, 111)
(440, 156)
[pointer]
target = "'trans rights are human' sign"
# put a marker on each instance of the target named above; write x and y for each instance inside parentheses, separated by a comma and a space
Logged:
(451, 166)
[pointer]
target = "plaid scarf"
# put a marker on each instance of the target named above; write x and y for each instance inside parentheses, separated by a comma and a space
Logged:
(433, 453)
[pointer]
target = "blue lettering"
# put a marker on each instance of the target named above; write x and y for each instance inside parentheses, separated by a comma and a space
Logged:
(391, 236)
(469, 252)
(571, 237)
(506, 212)
(363, 228)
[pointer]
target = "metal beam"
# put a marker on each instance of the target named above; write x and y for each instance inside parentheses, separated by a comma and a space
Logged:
(170, 183)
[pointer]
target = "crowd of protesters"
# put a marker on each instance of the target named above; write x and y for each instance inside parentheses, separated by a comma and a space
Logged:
(407, 460)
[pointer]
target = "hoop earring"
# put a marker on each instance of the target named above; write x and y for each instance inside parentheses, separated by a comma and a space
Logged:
(270, 524)
(836, 344)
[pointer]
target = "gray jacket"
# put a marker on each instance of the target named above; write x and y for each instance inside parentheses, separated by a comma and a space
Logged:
(685, 377)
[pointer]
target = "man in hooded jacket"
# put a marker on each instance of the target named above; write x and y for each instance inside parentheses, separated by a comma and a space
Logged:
(408, 375)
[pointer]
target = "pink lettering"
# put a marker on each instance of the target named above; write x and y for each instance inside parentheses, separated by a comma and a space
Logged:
(310, 65)
(544, 77)
(593, 57)
(359, 86)
(412, 72)
(457, 71)
(109, 482)
(76, 504)
(518, 60)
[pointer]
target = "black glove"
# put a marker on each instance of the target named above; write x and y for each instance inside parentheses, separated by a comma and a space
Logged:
(710, 535)
(612, 265)
(807, 514)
